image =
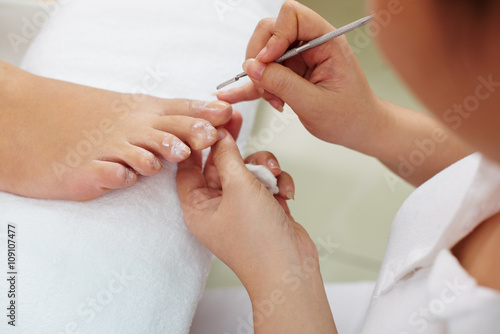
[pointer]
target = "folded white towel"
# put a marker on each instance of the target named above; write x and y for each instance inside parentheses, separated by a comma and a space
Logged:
(124, 263)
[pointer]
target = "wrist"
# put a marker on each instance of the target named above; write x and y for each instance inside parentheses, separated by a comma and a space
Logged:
(291, 281)
(376, 129)
(9, 82)
(291, 300)
(4, 69)
(279, 266)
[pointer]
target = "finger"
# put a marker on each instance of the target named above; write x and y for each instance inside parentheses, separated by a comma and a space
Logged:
(286, 186)
(197, 132)
(266, 159)
(189, 177)
(282, 82)
(216, 112)
(211, 174)
(295, 22)
(263, 32)
(233, 126)
(283, 204)
(260, 37)
(247, 92)
(229, 163)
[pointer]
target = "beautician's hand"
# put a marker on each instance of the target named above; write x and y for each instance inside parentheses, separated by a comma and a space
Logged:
(252, 231)
(327, 89)
(325, 86)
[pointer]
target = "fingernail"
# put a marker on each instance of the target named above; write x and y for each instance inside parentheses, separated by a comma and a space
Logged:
(276, 105)
(179, 149)
(273, 164)
(222, 133)
(290, 195)
(254, 68)
(262, 53)
(259, 88)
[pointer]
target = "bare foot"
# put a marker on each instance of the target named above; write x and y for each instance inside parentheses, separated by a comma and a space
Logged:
(60, 140)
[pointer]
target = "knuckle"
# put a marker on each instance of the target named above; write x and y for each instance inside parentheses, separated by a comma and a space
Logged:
(261, 25)
(265, 25)
(289, 6)
(288, 3)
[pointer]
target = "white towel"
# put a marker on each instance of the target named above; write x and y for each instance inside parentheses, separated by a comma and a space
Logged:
(124, 263)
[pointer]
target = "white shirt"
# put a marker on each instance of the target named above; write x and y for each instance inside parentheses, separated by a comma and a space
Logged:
(422, 288)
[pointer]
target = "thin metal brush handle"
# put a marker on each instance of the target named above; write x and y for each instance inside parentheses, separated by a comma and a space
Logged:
(325, 38)
(309, 45)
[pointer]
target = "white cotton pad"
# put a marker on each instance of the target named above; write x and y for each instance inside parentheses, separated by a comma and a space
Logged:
(265, 176)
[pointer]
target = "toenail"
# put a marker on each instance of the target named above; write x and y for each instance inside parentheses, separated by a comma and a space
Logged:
(217, 105)
(155, 163)
(205, 131)
(130, 175)
(167, 141)
(210, 106)
(179, 149)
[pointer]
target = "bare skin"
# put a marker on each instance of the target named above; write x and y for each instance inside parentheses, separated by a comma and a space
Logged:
(457, 68)
(259, 240)
(341, 108)
(65, 141)
(268, 250)
(479, 251)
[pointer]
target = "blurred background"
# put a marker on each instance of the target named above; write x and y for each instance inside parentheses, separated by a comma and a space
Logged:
(344, 199)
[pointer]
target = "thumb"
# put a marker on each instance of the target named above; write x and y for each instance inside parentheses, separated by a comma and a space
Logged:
(280, 81)
(229, 163)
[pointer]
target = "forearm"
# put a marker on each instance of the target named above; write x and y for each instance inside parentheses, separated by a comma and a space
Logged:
(8, 74)
(412, 144)
(294, 301)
